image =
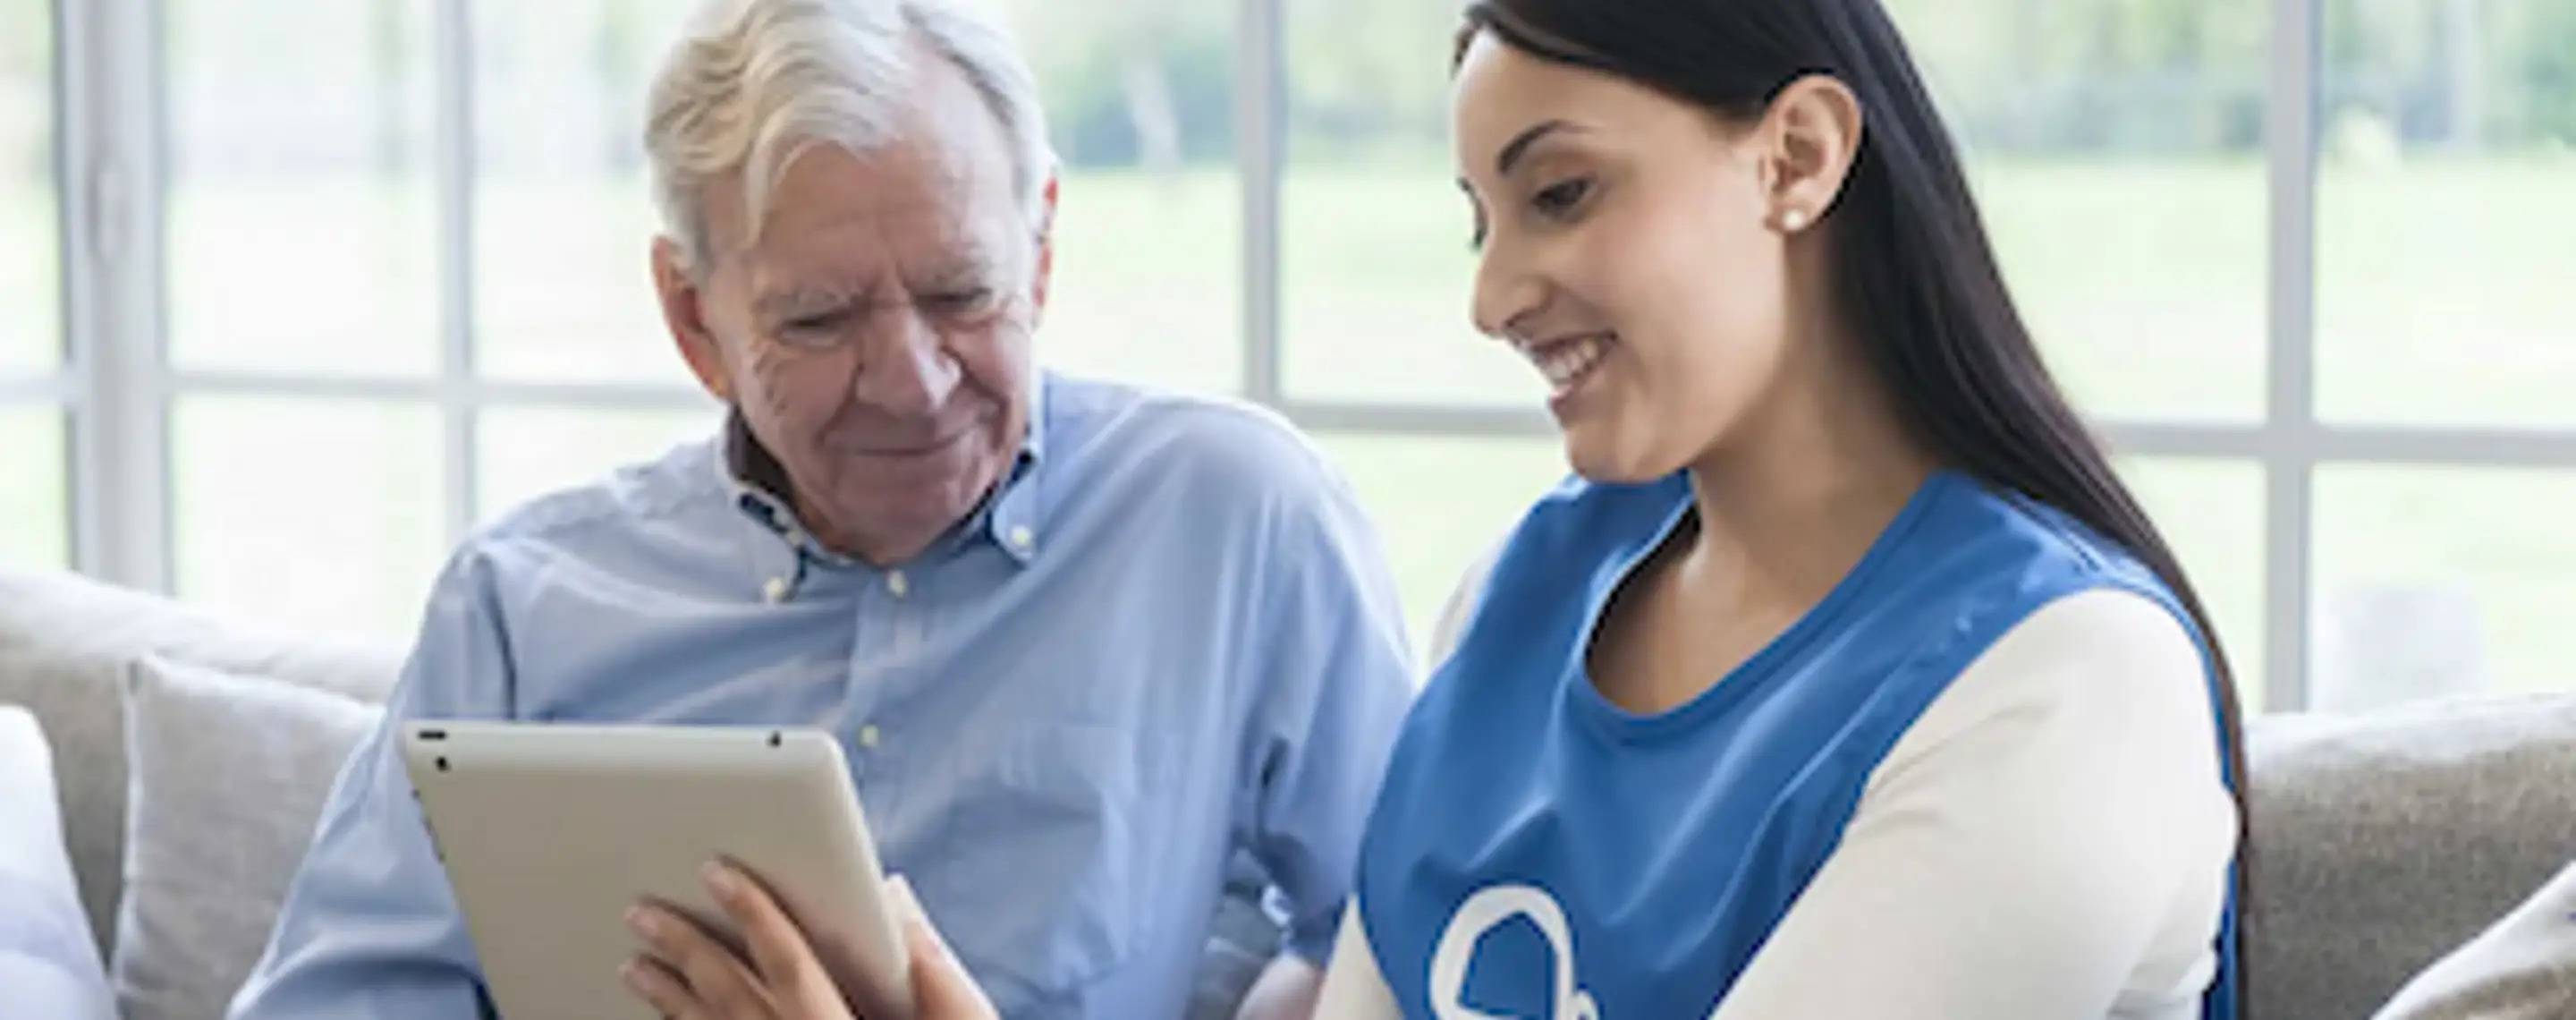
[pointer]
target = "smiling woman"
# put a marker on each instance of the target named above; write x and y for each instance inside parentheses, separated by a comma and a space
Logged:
(1839, 557)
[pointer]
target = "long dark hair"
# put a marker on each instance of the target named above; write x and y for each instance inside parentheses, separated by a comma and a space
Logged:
(1913, 271)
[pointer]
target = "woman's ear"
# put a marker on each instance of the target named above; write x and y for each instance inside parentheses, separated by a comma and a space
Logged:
(1811, 137)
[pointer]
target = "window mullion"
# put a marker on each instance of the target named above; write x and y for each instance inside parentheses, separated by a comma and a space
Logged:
(452, 50)
(111, 162)
(2292, 101)
(1261, 85)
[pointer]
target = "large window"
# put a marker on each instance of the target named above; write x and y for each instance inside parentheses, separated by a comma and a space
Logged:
(2446, 228)
(34, 524)
(2306, 262)
(34, 491)
(1374, 261)
(29, 328)
(2142, 126)
(561, 216)
(1142, 96)
(300, 252)
(2445, 254)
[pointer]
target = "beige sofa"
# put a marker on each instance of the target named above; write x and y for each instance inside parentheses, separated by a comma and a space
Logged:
(2384, 841)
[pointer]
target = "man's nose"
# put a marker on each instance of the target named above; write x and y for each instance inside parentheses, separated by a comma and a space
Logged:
(909, 372)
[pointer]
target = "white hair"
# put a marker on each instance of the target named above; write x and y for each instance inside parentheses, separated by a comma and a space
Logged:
(754, 83)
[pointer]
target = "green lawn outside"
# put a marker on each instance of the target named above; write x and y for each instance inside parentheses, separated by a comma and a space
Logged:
(323, 515)
(2145, 283)
(30, 306)
(34, 523)
(2488, 543)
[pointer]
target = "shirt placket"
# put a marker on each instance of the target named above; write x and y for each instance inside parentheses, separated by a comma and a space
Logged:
(886, 640)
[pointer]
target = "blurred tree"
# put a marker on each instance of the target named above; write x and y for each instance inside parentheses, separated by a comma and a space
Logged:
(26, 73)
(1133, 82)
(26, 30)
(2088, 75)
(389, 39)
(2546, 65)
(1367, 74)
(624, 55)
(2454, 73)
(1152, 82)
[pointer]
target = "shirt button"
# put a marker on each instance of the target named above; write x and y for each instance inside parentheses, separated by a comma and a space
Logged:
(868, 737)
(775, 591)
(898, 584)
(1023, 539)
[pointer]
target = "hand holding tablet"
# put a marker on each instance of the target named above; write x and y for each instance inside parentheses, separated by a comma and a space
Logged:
(777, 976)
(554, 836)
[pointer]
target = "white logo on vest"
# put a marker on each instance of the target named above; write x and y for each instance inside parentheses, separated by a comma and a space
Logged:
(1484, 912)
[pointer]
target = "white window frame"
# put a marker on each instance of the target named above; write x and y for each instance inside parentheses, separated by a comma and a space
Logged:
(112, 159)
(118, 386)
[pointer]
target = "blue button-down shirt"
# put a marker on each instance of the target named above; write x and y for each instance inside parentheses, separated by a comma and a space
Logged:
(1169, 636)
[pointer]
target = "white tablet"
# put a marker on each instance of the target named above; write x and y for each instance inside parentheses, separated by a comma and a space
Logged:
(550, 833)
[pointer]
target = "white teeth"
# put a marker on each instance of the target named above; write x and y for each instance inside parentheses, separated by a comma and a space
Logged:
(1566, 364)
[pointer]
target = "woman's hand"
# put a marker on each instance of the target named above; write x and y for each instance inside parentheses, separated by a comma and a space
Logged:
(941, 988)
(689, 974)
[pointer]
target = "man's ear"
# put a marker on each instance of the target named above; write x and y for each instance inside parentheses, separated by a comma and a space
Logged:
(684, 312)
(1045, 278)
(1810, 138)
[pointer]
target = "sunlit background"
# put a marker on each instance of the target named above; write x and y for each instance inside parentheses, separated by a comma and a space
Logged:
(399, 252)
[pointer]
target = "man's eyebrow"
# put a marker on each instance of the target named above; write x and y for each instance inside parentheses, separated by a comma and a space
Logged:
(795, 301)
(972, 271)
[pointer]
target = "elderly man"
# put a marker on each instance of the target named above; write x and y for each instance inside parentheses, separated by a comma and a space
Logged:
(1083, 644)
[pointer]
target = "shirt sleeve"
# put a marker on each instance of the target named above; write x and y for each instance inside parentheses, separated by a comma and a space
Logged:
(1463, 601)
(370, 928)
(1336, 677)
(1354, 989)
(2051, 839)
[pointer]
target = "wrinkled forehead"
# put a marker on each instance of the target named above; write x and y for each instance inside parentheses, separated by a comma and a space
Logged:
(916, 213)
(940, 173)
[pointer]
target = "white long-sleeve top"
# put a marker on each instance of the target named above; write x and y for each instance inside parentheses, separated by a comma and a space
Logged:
(2050, 840)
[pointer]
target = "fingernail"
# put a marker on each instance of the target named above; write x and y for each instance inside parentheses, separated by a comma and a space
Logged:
(631, 974)
(720, 878)
(642, 921)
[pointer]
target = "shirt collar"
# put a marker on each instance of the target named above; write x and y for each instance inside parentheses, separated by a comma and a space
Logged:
(1010, 517)
(1014, 518)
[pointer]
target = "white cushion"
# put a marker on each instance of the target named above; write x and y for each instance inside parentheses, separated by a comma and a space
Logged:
(230, 774)
(82, 708)
(48, 962)
(65, 642)
(2523, 968)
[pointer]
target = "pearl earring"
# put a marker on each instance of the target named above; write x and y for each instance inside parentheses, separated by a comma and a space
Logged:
(1794, 220)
